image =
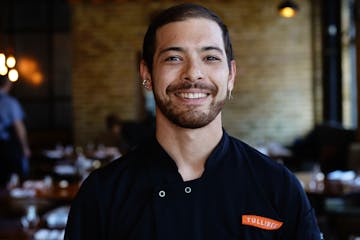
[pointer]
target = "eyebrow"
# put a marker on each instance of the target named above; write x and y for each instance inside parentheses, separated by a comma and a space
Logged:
(180, 49)
(177, 49)
(210, 48)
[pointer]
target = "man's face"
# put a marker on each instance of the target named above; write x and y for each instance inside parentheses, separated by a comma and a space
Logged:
(190, 75)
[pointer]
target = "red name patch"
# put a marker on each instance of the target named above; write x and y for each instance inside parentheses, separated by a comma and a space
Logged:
(261, 222)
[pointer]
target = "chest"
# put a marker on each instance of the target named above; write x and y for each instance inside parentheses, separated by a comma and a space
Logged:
(212, 208)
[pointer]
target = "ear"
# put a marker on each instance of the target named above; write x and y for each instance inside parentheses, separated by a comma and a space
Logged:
(232, 76)
(145, 74)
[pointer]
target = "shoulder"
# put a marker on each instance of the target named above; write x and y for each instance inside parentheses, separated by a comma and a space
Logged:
(253, 157)
(274, 182)
(13, 105)
(9, 99)
(264, 170)
(129, 164)
(123, 172)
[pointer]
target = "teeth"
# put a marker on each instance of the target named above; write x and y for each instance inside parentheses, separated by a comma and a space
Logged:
(192, 95)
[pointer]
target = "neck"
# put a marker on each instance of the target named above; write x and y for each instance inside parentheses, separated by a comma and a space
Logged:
(189, 148)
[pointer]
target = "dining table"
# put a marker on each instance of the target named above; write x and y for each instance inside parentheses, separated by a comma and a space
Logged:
(335, 198)
(37, 207)
(25, 209)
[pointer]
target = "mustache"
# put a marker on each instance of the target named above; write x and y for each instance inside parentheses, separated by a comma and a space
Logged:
(191, 85)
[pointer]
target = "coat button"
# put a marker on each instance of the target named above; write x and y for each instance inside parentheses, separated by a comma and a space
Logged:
(188, 189)
(162, 193)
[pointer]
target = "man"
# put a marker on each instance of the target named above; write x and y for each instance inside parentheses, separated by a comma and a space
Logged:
(192, 181)
(14, 148)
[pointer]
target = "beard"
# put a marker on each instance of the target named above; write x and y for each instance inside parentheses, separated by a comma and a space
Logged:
(189, 116)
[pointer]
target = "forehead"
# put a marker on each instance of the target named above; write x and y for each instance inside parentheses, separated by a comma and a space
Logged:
(191, 32)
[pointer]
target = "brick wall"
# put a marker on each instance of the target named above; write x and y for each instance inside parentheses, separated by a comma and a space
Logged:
(272, 99)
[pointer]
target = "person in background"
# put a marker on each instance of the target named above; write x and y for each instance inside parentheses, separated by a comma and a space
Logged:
(14, 147)
(191, 180)
(113, 136)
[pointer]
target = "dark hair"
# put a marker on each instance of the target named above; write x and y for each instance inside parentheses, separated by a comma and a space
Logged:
(180, 13)
(3, 80)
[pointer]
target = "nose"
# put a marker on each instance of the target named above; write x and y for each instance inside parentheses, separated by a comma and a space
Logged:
(192, 71)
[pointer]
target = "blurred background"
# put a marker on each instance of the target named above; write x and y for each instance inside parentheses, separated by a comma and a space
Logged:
(76, 76)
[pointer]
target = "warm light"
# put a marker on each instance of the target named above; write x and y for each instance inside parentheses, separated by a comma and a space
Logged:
(287, 12)
(13, 75)
(287, 8)
(27, 66)
(3, 69)
(30, 71)
(2, 59)
(10, 61)
(37, 78)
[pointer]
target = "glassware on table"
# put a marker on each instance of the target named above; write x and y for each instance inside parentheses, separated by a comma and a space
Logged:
(30, 220)
(14, 181)
(317, 179)
(48, 182)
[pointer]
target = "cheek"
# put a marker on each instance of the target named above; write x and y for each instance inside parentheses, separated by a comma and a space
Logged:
(163, 78)
(159, 86)
(222, 81)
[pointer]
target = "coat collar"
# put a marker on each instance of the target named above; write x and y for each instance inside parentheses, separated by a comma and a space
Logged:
(163, 168)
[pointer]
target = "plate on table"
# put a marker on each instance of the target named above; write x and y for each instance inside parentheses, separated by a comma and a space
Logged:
(47, 234)
(54, 154)
(57, 217)
(22, 193)
(65, 170)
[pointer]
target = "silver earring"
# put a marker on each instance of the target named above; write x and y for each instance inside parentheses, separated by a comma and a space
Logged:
(229, 95)
(146, 83)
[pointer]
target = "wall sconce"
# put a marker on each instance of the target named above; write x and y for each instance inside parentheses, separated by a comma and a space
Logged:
(7, 58)
(7, 67)
(287, 8)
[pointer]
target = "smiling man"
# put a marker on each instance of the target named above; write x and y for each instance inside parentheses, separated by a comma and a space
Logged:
(191, 180)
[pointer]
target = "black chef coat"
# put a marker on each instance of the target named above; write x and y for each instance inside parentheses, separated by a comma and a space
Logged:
(242, 195)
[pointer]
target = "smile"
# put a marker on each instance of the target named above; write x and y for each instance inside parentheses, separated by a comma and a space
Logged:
(192, 95)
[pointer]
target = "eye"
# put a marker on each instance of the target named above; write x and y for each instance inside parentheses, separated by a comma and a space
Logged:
(173, 59)
(212, 58)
